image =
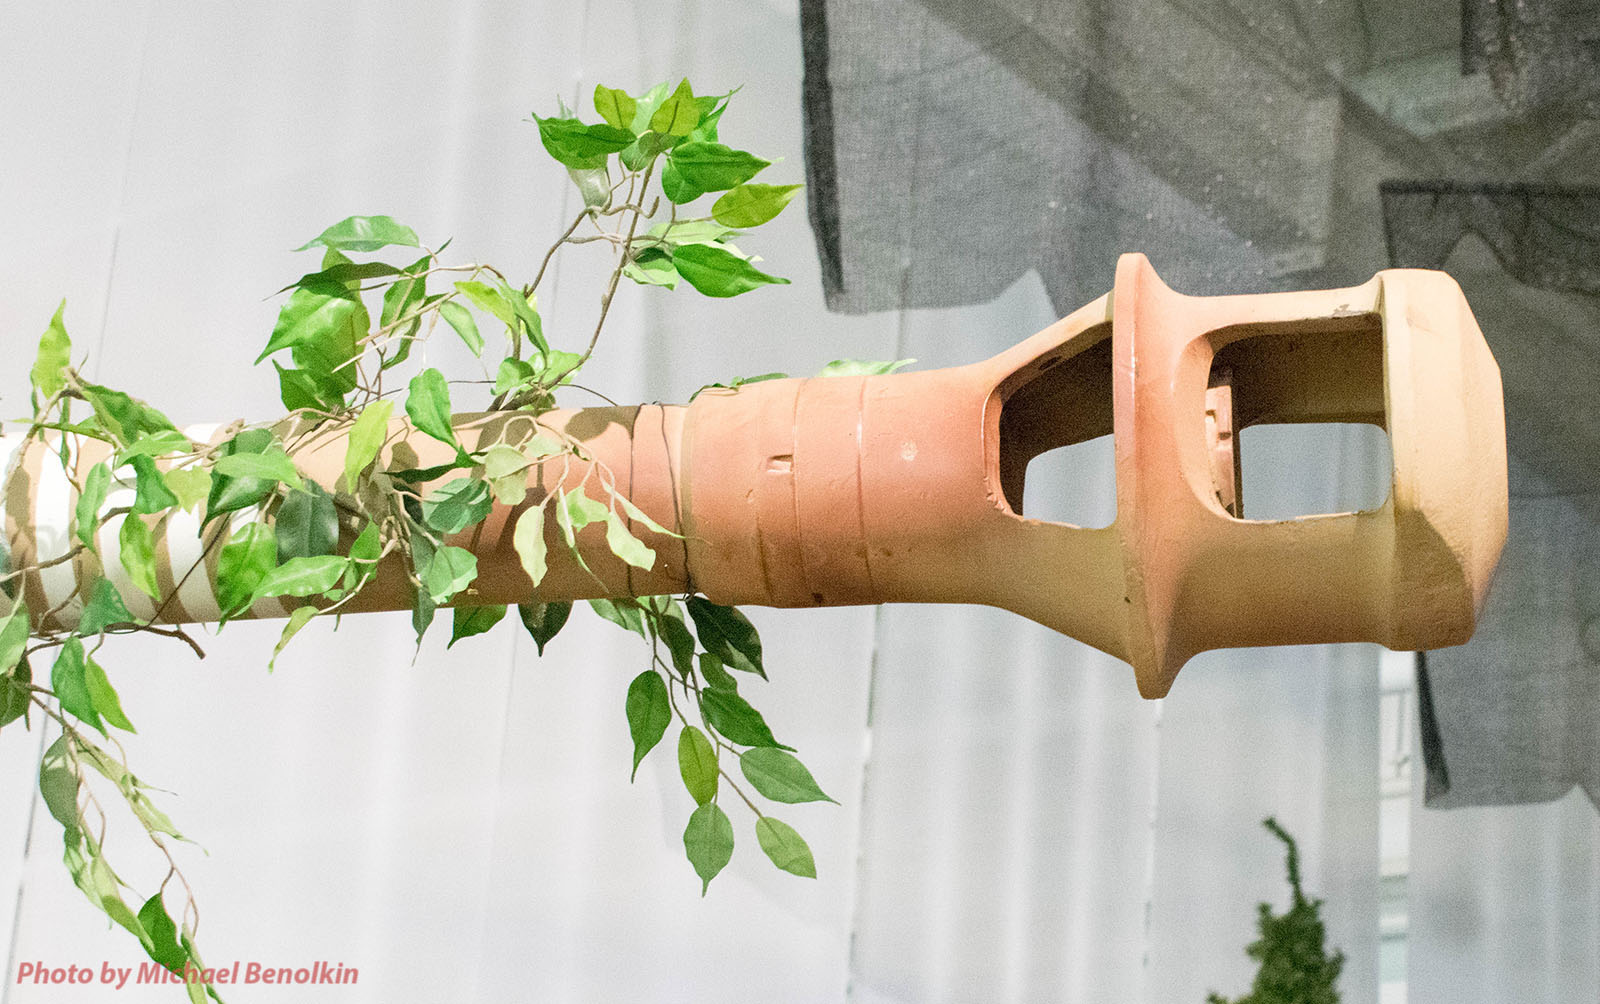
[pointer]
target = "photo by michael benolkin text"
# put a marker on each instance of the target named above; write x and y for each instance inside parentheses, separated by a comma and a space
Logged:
(239, 973)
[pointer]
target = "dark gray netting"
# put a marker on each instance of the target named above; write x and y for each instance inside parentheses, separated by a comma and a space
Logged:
(1545, 236)
(971, 142)
(1537, 52)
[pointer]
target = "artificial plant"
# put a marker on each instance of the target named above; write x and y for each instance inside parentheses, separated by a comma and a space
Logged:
(342, 351)
(1295, 965)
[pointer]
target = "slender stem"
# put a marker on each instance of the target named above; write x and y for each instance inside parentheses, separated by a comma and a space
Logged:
(75, 550)
(616, 275)
(740, 792)
(587, 212)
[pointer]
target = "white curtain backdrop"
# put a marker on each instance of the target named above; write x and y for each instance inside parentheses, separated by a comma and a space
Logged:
(1017, 825)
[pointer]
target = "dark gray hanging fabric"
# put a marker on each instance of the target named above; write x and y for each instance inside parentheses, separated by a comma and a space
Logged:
(1516, 711)
(955, 145)
(952, 147)
(1518, 707)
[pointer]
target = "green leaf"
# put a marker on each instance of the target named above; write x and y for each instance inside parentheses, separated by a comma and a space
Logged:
(15, 695)
(526, 312)
(138, 553)
(785, 847)
(96, 485)
(71, 689)
(460, 318)
(125, 418)
(697, 762)
(735, 720)
(652, 267)
(308, 389)
(624, 615)
(564, 522)
(780, 776)
(506, 469)
(428, 406)
(581, 146)
(512, 374)
(544, 620)
(111, 769)
(364, 553)
(190, 485)
(451, 570)
(303, 576)
(371, 428)
(680, 644)
(269, 465)
(649, 713)
(715, 676)
(104, 609)
(559, 368)
(320, 313)
(299, 617)
(14, 628)
(231, 494)
(333, 258)
(646, 148)
(245, 561)
(528, 541)
(646, 105)
(198, 992)
(582, 510)
(678, 115)
(752, 205)
(49, 373)
(625, 545)
(727, 634)
(423, 610)
(512, 309)
(715, 271)
(594, 186)
(130, 787)
(469, 621)
(151, 494)
(461, 461)
(59, 784)
(155, 444)
(708, 841)
(307, 524)
(403, 298)
(163, 947)
(94, 877)
(861, 367)
(486, 298)
(456, 505)
(677, 188)
(711, 109)
(103, 696)
(738, 382)
(690, 232)
(368, 546)
(615, 106)
(541, 446)
(364, 233)
(347, 273)
(694, 169)
(328, 357)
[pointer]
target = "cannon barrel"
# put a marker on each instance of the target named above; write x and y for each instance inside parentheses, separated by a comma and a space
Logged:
(907, 487)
